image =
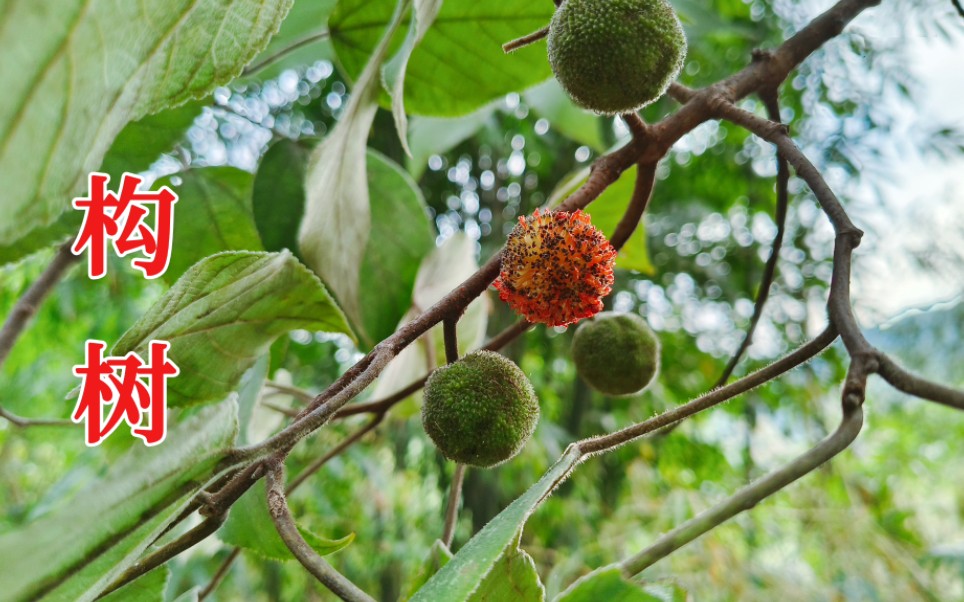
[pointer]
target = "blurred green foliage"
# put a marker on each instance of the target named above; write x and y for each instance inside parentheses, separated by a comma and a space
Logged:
(885, 521)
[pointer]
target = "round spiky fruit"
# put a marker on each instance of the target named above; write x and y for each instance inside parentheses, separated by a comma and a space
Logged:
(556, 268)
(480, 410)
(616, 353)
(615, 56)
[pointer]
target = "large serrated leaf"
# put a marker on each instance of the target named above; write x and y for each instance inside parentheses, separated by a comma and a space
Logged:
(459, 65)
(249, 526)
(224, 313)
(213, 214)
(77, 71)
(337, 220)
(468, 569)
(138, 145)
(78, 548)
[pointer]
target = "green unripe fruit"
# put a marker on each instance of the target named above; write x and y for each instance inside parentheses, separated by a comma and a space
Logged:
(479, 410)
(615, 56)
(616, 353)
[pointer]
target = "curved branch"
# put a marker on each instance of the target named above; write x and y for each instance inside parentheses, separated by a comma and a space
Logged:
(642, 193)
(770, 269)
(903, 380)
(284, 522)
(717, 396)
(30, 302)
(749, 496)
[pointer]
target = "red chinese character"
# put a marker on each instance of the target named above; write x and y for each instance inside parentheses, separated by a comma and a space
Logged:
(120, 218)
(132, 387)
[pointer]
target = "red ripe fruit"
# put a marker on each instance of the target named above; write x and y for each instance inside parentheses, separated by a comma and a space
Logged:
(556, 268)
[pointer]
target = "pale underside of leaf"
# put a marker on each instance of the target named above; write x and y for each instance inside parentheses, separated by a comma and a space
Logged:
(393, 74)
(337, 219)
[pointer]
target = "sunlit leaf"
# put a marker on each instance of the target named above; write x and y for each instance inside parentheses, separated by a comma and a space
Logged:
(224, 313)
(607, 583)
(513, 577)
(77, 549)
(459, 65)
(337, 220)
(76, 72)
(468, 569)
(212, 214)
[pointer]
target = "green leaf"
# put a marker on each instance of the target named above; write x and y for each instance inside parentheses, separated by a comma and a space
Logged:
(438, 556)
(249, 526)
(224, 313)
(459, 65)
(607, 584)
(393, 73)
(142, 142)
(401, 236)
(550, 101)
(337, 220)
(468, 569)
(77, 72)
(190, 595)
(513, 577)
(606, 211)
(76, 550)
(278, 198)
(212, 214)
(149, 588)
(139, 144)
(302, 40)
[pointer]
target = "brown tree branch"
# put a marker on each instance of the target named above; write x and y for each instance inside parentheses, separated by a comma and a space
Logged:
(755, 379)
(284, 522)
(531, 38)
(451, 339)
(749, 496)
(769, 270)
(22, 311)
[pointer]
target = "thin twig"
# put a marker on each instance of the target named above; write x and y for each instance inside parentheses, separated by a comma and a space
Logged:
(749, 496)
(284, 522)
(25, 307)
(770, 269)
(30, 302)
(280, 409)
(301, 394)
(219, 575)
(708, 400)
(155, 559)
(451, 339)
(957, 5)
(283, 52)
(452, 510)
(525, 40)
(301, 478)
(642, 192)
(338, 449)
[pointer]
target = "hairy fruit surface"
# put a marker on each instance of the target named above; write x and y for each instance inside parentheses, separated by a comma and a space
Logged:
(615, 56)
(556, 268)
(480, 410)
(616, 353)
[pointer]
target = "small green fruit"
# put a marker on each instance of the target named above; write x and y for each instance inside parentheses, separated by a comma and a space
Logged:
(479, 410)
(615, 56)
(616, 353)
